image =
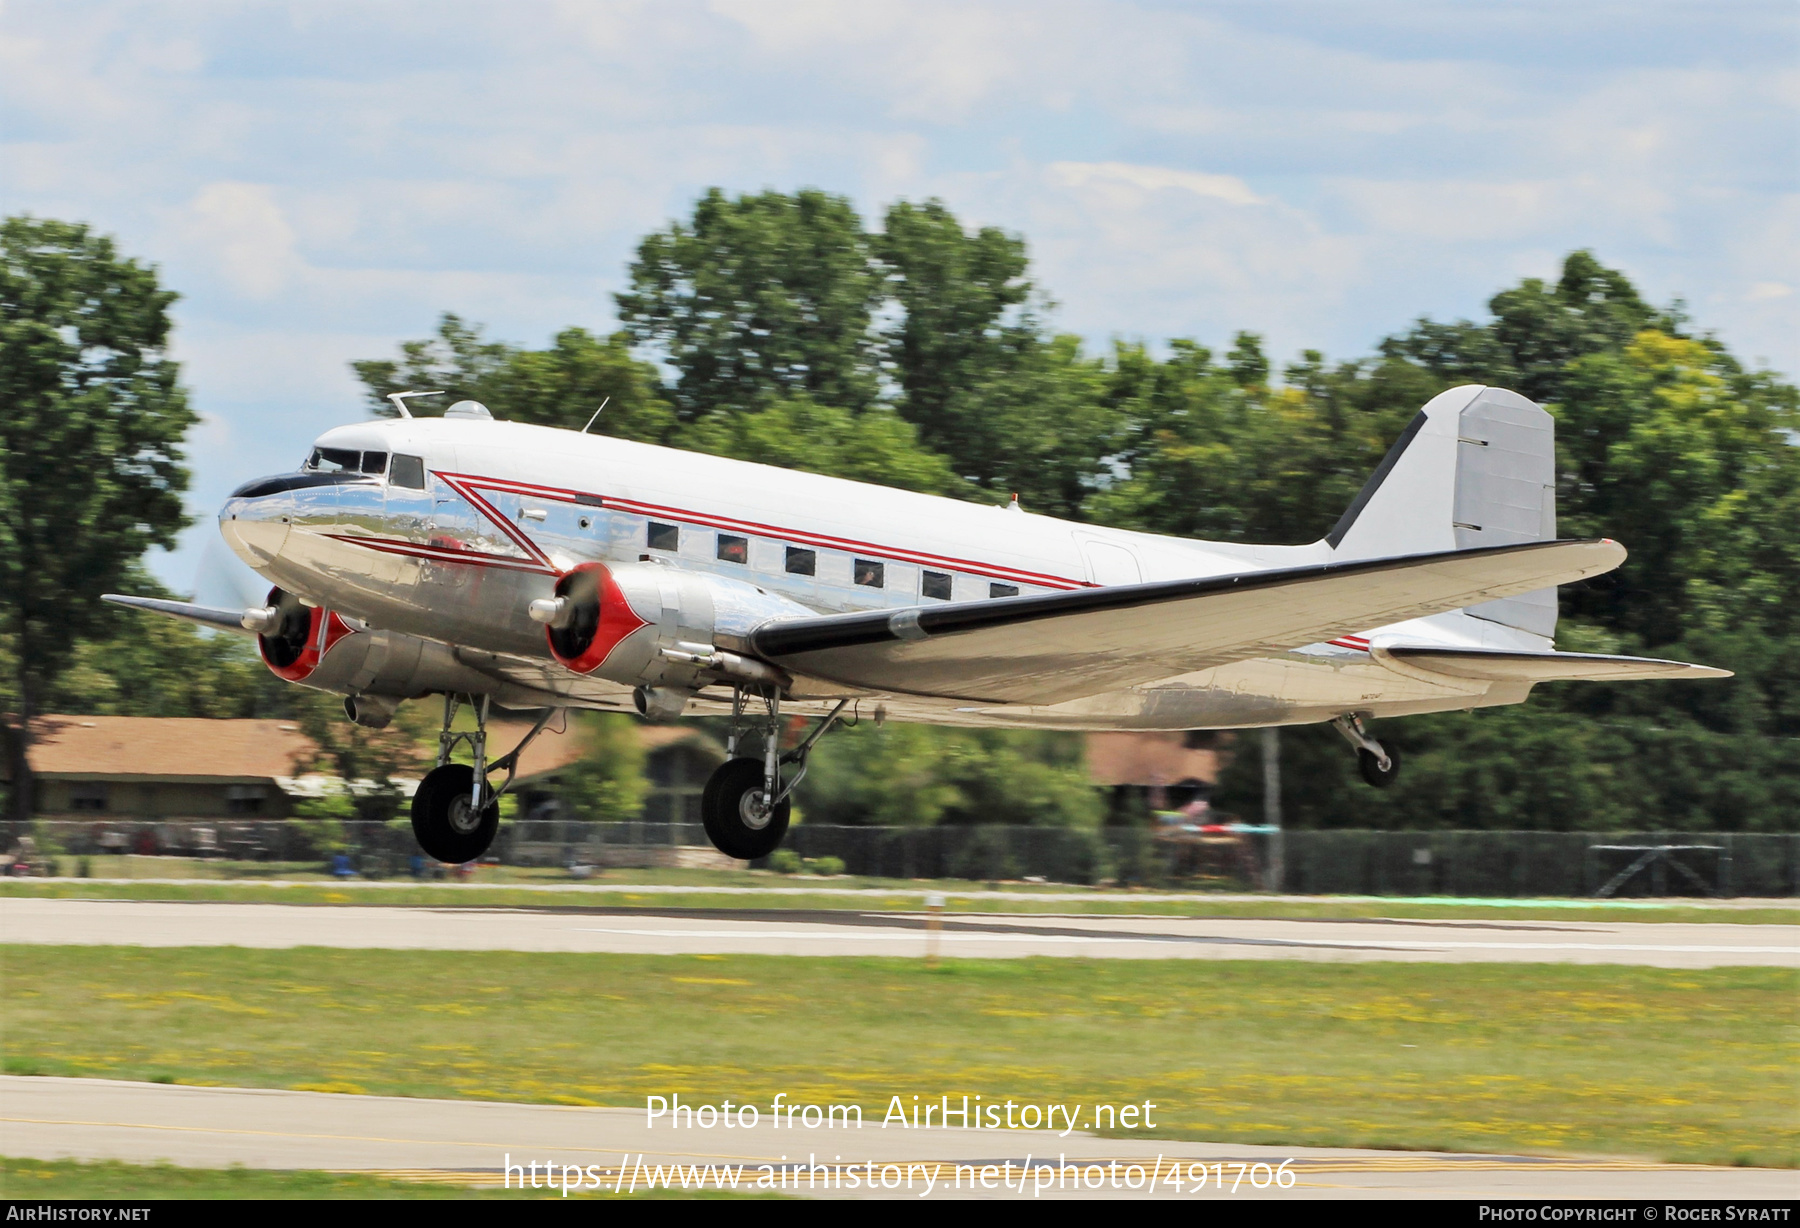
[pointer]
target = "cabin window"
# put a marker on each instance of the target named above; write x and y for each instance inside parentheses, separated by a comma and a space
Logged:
(664, 537)
(374, 463)
(936, 585)
(408, 471)
(1003, 590)
(802, 562)
(733, 549)
(869, 573)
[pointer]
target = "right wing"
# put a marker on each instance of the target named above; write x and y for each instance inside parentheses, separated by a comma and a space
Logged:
(1061, 646)
(1501, 665)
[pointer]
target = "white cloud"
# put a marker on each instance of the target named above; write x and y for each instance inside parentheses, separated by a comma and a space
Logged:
(1228, 188)
(245, 234)
(319, 180)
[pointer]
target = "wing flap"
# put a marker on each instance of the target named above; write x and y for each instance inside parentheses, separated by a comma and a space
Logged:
(1499, 665)
(1060, 646)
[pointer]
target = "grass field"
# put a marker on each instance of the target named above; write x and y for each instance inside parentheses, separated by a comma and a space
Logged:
(1671, 1065)
(882, 895)
(73, 1179)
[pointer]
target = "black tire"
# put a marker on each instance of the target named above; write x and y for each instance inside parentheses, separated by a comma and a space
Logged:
(1371, 766)
(725, 810)
(441, 817)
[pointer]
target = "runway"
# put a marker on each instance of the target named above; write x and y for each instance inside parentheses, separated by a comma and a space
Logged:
(471, 1141)
(750, 931)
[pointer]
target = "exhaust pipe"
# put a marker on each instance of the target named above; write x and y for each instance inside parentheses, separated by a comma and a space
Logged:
(371, 711)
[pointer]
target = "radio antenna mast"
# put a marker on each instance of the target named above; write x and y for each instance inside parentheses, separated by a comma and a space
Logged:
(399, 400)
(591, 421)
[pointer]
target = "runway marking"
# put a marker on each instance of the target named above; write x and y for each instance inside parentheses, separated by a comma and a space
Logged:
(343, 1138)
(840, 935)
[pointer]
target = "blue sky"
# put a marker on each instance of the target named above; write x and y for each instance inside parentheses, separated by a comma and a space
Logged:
(321, 180)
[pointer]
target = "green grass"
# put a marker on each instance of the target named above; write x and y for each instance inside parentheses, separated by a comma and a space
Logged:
(881, 895)
(110, 1179)
(1671, 1065)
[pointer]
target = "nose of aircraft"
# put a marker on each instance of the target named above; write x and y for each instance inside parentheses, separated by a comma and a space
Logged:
(256, 518)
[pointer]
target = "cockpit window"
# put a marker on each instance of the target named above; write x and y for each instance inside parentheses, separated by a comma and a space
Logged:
(409, 471)
(347, 460)
(335, 460)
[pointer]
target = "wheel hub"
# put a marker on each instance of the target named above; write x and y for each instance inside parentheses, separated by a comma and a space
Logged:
(463, 818)
(754, 811)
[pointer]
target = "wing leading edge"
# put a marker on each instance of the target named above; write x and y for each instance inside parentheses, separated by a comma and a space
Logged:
(1060, 646)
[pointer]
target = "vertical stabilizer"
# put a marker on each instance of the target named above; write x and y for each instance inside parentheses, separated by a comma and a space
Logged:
(1476, 467)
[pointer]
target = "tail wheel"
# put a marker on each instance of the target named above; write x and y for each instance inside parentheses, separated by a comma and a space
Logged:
(1371, 766)
(738, 820)
(446, 823)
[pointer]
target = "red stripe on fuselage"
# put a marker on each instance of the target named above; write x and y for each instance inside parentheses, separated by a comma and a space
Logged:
(475, 558)
(991, 570)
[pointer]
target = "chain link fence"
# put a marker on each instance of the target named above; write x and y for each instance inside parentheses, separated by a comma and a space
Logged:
(1427, 863)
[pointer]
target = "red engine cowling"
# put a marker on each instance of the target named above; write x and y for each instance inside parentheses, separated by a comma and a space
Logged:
(301, 639)
(600, 617)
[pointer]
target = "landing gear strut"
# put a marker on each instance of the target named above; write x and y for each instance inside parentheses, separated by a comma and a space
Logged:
(1380, 765)
(456, 812)
(746, 803)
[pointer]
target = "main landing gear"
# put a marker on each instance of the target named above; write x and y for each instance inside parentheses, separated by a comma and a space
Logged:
(746, 803)
(1380, 765)
(456, 812)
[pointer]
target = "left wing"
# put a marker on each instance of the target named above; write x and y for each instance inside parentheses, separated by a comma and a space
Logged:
(1060, 646)
(205, 615)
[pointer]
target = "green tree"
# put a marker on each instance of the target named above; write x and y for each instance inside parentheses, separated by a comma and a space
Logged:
(371, 762)
(918, 776)
(759, 298)
(561, 386)
(1538, 330)
(606, 784)
(799, 433)
(960, 298)
(91, 470)
(144, 664)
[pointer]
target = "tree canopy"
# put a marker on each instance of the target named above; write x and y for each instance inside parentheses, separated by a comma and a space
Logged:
(782, 328)
(91, 471)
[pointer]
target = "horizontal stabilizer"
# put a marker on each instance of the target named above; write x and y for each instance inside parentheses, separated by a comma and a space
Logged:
(1501, 665)
(1053, 647)
(205, 615)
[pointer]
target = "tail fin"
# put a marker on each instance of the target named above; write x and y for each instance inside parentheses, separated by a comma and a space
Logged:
(1476, 467)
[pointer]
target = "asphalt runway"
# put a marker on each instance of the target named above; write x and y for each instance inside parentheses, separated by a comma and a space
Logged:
(470, 1141)
(749, 931)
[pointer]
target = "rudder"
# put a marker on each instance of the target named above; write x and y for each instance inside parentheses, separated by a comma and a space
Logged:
(1476, 467)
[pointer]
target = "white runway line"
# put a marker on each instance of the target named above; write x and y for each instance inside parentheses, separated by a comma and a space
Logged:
(950, 936)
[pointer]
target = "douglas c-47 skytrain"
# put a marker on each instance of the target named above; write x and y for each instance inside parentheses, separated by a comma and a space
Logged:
(550, 569)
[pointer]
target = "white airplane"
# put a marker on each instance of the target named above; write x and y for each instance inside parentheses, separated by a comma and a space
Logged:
(547, 569)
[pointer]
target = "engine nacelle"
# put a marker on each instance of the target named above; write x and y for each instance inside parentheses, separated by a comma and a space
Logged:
(374, 669)
(650, 625)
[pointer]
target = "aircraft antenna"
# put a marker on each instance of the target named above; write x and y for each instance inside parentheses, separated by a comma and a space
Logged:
(591, 421)
(399, 400)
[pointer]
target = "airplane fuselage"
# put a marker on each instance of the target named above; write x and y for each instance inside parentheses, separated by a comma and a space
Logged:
(458, 525)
